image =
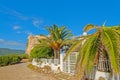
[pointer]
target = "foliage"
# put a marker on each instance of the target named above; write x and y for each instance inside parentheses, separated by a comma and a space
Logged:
(41, 52)
(58, 37)
(11, 59)
(89, 46)
(23, 56)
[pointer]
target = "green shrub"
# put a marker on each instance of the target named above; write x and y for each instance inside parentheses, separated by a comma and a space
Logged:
(23, 56)
(4, 60)
(14, 59)
(41, 52)
(11, 59)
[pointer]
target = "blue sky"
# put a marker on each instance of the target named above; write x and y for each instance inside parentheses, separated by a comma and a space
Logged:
(21, 18)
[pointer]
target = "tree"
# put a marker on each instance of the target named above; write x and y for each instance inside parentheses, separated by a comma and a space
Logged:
(43, 52)
(101, 45)
(58, 37)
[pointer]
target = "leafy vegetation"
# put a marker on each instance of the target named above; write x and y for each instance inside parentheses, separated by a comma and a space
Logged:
(11, 59)
(59, 36)
(101, 45)
(41, 52)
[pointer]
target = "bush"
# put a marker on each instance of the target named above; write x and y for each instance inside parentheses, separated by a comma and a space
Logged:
(23, 56)
(11, 59)
(14, 59)
(41, 52)
(4, 60)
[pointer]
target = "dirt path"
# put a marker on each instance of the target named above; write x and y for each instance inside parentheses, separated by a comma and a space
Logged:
(21, 72)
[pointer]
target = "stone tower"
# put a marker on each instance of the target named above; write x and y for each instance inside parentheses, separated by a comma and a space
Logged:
(32, 42)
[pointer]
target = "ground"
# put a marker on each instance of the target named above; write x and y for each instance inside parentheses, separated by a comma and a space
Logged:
(22, 72)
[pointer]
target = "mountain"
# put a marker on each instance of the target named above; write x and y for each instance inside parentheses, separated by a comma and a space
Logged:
(4, 51)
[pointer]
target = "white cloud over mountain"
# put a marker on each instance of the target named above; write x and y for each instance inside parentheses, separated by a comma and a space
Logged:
(1, 40)
(10, 43)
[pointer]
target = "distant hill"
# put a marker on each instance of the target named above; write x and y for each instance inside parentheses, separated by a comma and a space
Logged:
(4, 51)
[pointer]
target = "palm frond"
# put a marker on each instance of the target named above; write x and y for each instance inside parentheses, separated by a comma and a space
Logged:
(89, 27)
(87, 54)
(110, 40)
(73, 47)
(104, 24)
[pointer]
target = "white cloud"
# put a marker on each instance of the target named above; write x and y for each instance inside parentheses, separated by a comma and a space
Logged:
(28, 33)
(12, 12)
(13, 43)
(19, 15)
(10, 43)
(25, 32)
(16, 27)
(1, 40)
(37, 22)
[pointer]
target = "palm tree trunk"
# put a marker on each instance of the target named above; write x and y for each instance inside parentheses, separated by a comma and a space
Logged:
(57, 55)
(103, 61)
(103, 66)
(101, 56)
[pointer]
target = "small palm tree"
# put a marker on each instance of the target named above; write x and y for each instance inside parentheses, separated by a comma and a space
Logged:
(58, 36)
(101, 45)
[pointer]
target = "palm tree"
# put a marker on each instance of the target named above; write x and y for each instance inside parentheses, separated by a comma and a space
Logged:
(103, 44)
(58, 37)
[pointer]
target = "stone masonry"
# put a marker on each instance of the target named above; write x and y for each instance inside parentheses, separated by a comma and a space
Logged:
(32, 42)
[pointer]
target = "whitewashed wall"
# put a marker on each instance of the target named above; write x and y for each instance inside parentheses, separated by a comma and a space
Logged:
(53, 63)
(67, 66)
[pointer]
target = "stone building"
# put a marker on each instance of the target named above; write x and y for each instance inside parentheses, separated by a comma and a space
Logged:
(32, 42)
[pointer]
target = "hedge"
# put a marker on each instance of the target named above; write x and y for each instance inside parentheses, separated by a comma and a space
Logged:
(11, 59)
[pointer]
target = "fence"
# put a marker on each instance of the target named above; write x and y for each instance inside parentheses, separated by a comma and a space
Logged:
(69, 64)
(53, 63)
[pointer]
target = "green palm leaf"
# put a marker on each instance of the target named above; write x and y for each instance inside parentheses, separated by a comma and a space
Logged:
(89, 27)
(73, 47)
(110, 40)
(86, 56)
(109, 37)
(58, 38)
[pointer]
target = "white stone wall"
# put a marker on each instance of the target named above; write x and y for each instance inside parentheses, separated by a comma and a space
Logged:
(53, 63)
(104, 75)
(45, 62)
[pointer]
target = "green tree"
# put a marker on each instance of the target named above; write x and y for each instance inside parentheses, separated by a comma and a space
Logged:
(58, 37)
(101, 45)
(41, 52)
